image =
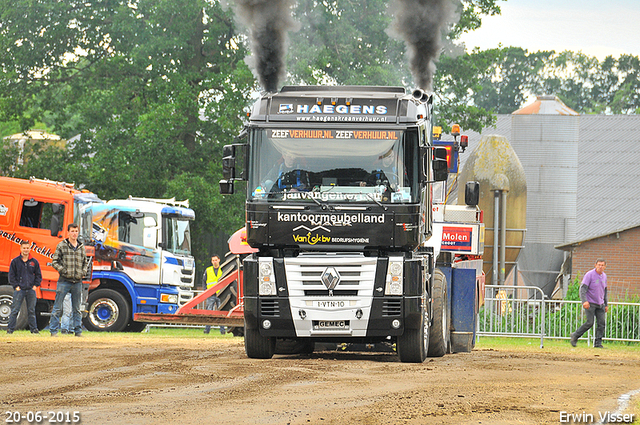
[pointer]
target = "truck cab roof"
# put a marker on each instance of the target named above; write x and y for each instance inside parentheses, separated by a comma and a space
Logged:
(343, 105)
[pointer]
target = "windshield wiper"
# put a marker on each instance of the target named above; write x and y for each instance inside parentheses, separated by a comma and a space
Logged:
(374, 200)
(322, 205)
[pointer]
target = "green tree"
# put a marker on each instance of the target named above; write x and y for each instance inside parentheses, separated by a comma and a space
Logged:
(147, 91)
(500, 80)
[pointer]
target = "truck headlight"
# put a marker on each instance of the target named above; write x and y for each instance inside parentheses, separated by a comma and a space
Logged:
(266, 278)
(394, 281)
(169, 298)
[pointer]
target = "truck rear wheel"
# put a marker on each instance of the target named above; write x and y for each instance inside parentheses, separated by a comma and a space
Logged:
(108, 311)
(6, 299)
(413, 344)
(257, 346)
(439, 342)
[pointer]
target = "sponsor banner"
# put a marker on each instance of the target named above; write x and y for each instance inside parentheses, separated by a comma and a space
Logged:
(335, 134)
(457, 238)
(332, 196)
(358, 110)
(323, 219)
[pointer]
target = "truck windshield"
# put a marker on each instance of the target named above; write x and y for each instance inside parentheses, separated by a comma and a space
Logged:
(177, 235)
(331, 165)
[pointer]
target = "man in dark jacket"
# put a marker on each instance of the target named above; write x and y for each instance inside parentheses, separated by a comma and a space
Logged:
(24, 275)
(71, 262)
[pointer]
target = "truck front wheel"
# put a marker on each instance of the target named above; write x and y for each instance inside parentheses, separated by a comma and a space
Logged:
(108, 311)
(6, 299)
(439, 341)
(413, 344)
(258, 346)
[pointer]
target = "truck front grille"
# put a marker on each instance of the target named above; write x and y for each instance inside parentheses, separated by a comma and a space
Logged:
(356, 275)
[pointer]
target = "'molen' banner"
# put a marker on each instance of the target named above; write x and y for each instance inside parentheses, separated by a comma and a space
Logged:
(456, 238)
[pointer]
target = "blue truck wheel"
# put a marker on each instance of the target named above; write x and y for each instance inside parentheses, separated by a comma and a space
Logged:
(108, 311)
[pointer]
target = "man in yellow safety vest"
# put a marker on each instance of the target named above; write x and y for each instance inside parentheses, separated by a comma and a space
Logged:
(210, 278)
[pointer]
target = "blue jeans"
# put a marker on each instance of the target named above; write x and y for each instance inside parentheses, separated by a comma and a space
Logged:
(213, 303)
(18, 297)
(63, 288)
(65, 322)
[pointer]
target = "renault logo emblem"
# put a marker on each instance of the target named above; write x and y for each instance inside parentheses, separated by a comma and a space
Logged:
(330, 277)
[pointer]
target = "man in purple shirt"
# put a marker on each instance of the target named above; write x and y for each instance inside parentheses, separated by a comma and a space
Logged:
(593, 294)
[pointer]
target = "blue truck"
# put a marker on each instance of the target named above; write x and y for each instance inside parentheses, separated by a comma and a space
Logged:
(142, 263)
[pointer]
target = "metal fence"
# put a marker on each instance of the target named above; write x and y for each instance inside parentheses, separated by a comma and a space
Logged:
(525, 312)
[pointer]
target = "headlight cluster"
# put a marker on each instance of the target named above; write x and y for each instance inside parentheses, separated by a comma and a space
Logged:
(266, 278)
(394, 277)
(169, 298)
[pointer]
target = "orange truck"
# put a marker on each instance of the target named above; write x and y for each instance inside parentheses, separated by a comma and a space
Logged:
(39, 211)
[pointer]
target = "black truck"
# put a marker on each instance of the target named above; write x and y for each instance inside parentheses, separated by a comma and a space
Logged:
(339, 207)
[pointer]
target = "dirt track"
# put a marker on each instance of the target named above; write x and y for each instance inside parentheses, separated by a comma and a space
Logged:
(142, 379)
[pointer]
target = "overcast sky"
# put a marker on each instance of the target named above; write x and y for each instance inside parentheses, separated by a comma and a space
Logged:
(595, 27)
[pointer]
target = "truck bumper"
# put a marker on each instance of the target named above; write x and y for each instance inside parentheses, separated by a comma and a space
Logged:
(387, 316)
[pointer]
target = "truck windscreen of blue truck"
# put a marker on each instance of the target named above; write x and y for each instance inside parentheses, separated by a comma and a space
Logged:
(322, 165)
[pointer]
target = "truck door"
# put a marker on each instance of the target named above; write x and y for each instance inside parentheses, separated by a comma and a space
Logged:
(8, 248)
(42, 221)
(138, 259)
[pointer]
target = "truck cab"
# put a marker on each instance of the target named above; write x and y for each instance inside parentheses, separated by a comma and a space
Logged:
(143, 261)
(338, 205)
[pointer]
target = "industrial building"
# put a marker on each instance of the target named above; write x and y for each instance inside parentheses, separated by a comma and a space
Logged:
(583, 174)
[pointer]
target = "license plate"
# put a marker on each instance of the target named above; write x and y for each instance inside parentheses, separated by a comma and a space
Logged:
(331, 324)
(331, 304)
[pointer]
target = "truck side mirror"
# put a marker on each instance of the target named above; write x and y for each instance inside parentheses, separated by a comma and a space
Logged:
(55, 225)
(439, 164)
(472, 194)
(229, 162)
(229, 150)
(226, 187)
(229, 167)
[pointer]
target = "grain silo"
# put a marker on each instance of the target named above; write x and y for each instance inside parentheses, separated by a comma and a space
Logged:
(545, 136)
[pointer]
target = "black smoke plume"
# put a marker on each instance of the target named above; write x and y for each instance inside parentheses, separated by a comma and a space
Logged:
(420, 23)
(268, 22)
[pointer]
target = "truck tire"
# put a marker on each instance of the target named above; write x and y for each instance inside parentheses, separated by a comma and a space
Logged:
(439, 341)
(108, 311)
(136, 326)
(6, 299)
(257, 346)
(413, 344)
